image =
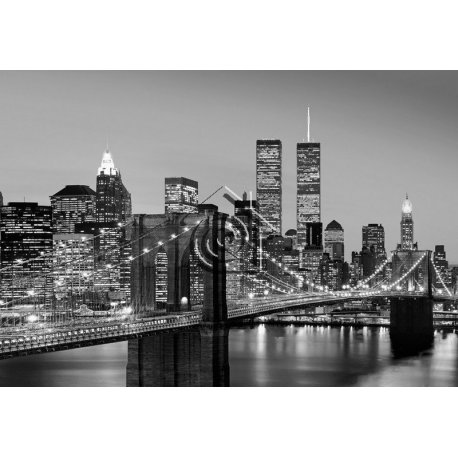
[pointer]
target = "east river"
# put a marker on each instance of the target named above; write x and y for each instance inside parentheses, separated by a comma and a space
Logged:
(263, 355)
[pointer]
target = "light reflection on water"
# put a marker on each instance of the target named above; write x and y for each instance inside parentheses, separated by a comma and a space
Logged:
(263, 355)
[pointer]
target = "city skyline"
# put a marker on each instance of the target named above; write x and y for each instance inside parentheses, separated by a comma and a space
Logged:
(348, 194)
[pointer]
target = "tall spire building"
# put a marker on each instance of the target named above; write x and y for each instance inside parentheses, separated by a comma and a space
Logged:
(113, 200)
(407, 225)
(308, 203)
(269, 185)
(113, 206)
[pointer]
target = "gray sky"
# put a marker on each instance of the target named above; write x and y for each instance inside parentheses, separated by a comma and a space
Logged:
(382, 134)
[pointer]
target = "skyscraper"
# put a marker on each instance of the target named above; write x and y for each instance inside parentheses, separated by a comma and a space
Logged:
(72, 205)
(314, 235)
(26, 247)
(269, 185)
(334, 241)
(73, 267)
(113, 200)
(311, 254)
(407, 225)
(374, 235)
(441, 264)
(181, 195)
(111, 264)
(308, 203)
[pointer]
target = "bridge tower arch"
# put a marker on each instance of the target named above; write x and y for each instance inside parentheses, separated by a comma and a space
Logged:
(176, 236)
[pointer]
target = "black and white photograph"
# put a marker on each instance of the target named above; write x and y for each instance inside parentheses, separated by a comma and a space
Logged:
(193, 235)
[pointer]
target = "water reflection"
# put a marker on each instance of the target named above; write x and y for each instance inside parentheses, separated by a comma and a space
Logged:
(186, 358)
(262, 355)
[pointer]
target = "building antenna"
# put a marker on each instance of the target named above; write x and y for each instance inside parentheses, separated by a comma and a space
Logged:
(308, 124)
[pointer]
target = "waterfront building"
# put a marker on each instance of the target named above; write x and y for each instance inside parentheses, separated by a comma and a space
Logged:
(181, 195)
(308, 201)
(72, 205)
(334, 241)
(269, 185)
(26, 254)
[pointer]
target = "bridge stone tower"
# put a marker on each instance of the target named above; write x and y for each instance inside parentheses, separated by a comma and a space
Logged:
(411, 317)
(180, 237)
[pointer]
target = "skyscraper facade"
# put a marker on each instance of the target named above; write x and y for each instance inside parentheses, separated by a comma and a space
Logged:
(111, 263)
(407, 225)
(73, 269)
(113, 202)
(443, 279)
(308, 202)
(374, 235)
(269, 185)
(334, 241)
(314, 235)
(26, 247)
(72, 205)
(181, 195)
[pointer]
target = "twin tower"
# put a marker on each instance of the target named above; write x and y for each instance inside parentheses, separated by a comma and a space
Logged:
(269, 184)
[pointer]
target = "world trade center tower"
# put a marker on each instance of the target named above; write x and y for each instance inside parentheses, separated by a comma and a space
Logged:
(269, 185)
(308, 203)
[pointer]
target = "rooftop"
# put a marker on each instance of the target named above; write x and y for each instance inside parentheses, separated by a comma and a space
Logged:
(75, 190)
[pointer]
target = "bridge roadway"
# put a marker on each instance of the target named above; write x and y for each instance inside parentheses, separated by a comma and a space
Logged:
(43, 338)
(261, 306)
(86, 333)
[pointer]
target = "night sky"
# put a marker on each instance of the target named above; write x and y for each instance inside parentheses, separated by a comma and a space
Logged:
(382, 134)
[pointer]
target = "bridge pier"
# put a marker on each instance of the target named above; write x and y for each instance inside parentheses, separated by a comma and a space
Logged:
(411, 324)
(215, 305)
(197, 357)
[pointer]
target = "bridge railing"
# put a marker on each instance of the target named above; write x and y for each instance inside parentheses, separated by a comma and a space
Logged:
(97, 331)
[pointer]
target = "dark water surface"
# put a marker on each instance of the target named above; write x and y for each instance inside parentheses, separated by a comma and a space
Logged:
(265, 355)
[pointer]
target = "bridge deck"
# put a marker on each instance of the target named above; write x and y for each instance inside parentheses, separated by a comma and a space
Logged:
(65, 337)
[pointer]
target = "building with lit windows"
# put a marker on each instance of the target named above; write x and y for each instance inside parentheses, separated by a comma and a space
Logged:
(181, 195)
(72, 205)
(291, 234)
(308, 201)
(334, 241)
(407, 226)
(310, 255)
(113, 201)
(111, 259)
(269, 185)
(374, 235)
(443, 277)
(26, 253)
(274, 246)
(161, 278)
(73, 270)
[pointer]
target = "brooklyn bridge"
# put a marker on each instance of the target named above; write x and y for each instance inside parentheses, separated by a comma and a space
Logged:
(198, 258)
